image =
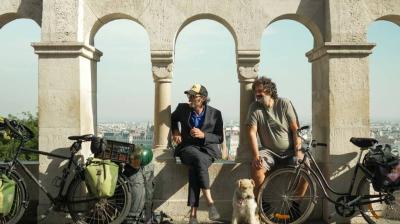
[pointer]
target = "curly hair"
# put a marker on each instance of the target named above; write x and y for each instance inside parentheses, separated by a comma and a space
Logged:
(268, 85)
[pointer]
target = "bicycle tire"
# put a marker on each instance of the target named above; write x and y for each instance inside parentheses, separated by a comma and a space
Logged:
(111, 210)
(20, 197)
(292, 214)
(375, 211)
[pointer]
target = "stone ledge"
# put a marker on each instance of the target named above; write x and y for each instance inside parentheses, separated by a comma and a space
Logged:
(340, 48)
(67, 49)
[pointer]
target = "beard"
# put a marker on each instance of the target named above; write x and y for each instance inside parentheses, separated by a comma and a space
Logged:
(264, 100)
(192, 105)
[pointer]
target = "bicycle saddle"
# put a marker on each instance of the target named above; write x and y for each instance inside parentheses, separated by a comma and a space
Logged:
(363, 142)
(82, 137)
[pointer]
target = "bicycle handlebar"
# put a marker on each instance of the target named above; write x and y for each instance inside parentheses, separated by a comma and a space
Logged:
(18, 129)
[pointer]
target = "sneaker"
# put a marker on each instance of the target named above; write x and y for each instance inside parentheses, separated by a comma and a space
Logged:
(213, 213)
(193, 220)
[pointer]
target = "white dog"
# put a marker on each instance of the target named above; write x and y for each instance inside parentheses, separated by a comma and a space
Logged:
(244, 204)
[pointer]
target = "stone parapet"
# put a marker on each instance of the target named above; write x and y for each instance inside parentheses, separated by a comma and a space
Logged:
(171, 187)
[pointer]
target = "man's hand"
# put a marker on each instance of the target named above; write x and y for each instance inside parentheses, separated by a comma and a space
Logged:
(257, 162)
(299, 155)
(197, 133)
(176, 137)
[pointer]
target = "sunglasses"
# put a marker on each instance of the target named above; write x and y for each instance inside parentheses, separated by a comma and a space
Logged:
(192, 96)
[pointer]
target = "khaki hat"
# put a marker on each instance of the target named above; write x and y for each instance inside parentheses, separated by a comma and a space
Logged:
(197, 89)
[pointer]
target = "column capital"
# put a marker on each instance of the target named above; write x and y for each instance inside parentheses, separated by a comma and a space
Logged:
(67, 49)
(336, 49)
(162, 62)
(247, 65)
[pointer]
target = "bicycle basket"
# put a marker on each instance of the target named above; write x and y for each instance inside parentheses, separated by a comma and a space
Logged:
(116, 151)
(385, 170)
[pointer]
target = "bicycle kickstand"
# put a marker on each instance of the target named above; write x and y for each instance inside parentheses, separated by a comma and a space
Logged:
(366, 217)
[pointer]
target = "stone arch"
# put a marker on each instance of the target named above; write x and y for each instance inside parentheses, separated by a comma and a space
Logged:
(106, 19)
(308, 23)
(211, 17)
(391, 18)
(9, 17)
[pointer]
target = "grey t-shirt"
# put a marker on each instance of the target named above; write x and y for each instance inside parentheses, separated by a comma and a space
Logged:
(273, 124)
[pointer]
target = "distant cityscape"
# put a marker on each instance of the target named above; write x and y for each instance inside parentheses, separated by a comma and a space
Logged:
(141, 133)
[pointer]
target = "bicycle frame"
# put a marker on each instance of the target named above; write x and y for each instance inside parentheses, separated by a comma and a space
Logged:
(317, 175)
(66, 171)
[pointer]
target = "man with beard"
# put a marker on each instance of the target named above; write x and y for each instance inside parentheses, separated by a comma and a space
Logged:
(274, 120)
(201, 131)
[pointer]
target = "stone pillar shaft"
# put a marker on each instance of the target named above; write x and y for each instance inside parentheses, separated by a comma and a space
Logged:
(247, 63)
(67, 103)
(162, 74)
(340, 83)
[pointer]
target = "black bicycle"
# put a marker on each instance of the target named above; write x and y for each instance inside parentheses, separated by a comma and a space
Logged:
(77, 200)
(288, 195)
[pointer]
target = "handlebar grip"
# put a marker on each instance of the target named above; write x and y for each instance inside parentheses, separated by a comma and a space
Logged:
(322, 144)
(303, 128)
(11, 127)
(19, 129)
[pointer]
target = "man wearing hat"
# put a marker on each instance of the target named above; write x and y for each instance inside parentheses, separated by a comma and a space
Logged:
(201, 132)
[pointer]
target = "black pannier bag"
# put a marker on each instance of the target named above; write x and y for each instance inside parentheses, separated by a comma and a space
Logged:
(98, 145)
(384, 166)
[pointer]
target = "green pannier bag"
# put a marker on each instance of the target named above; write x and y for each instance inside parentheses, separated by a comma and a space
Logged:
(101, 177)
(7, 190)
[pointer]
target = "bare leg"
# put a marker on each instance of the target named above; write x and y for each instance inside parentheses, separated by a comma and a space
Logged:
(258, 175)
(193, 212)
(207, 195)
(302, 188)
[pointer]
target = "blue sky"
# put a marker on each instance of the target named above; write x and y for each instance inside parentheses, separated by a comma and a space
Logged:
(204, 53)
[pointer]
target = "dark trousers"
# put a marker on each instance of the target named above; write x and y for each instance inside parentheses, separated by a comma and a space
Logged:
(198, 162)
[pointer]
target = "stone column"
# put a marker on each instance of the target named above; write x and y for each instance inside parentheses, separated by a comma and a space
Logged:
(162, 62)
(247, 64)
(340, 105)
(67, 103)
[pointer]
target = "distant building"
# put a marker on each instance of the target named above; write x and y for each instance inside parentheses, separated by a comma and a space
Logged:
(121, 136)
(144, 137)
(232, 141)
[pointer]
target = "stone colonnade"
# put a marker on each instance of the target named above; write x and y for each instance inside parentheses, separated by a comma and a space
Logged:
(68, 60)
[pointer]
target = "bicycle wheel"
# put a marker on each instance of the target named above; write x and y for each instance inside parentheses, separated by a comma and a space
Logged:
(85, 208)
(20, 200)
(378, 212)
(285, 197)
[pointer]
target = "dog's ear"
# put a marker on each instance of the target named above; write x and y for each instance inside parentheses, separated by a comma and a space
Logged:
(239, 182)
(253, 183)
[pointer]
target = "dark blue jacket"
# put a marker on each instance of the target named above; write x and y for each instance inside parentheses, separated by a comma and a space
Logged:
(212, 128)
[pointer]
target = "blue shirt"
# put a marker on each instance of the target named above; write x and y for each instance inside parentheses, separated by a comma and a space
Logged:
(196, 121)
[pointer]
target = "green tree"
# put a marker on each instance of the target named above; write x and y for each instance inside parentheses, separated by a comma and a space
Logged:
(7, 147)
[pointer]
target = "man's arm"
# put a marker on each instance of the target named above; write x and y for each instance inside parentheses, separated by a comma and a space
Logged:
(252, 133)
(296, 139)
(176, 135)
